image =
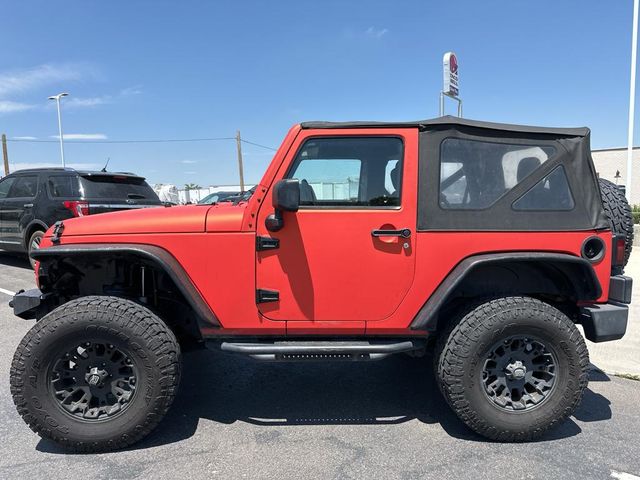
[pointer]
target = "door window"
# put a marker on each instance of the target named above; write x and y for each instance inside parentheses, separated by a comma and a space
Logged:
(349, 171)
(25, 186)
(5, 186)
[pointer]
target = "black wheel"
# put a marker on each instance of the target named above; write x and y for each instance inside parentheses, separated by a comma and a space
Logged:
(512, 368)
(34, 244)
(619, 212)
(96, 374)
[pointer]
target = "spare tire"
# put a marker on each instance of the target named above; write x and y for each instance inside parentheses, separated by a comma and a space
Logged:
(619, 212)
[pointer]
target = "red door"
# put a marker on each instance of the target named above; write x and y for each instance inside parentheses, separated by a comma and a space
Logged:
(331, 265)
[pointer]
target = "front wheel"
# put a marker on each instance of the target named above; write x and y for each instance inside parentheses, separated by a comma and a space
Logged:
(96, 374)
(512, 368)
(34, 244)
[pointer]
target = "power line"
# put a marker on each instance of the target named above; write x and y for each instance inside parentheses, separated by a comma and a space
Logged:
(258, 145)
(168, 140)
(165, 140)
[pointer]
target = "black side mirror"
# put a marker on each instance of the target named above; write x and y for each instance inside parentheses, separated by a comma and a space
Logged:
(286, 198)
(286, 195)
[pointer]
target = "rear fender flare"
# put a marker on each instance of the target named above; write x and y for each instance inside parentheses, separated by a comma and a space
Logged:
(563, 272)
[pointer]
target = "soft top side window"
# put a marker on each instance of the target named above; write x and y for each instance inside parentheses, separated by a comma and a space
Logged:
(349, 171)
(475, 174)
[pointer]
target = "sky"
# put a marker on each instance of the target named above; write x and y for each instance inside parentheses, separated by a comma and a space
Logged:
(162, 70)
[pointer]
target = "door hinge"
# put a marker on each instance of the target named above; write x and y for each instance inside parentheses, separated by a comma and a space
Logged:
(266, 243)
(263, 296)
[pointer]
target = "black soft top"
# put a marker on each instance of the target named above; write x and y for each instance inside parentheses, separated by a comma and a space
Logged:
(484, 175)
(454, 121)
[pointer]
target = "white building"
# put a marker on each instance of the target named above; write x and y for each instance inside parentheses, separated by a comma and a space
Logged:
(611, 163)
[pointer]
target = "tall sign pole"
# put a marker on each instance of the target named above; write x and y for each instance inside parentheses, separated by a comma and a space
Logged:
(57, 99)
(240, 168)
(450, 85)
(632, 100)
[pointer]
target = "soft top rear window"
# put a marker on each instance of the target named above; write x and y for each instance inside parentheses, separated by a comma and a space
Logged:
(100, 186)
(122, 187)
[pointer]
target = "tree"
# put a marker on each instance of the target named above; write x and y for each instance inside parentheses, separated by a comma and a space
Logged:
(192, 186)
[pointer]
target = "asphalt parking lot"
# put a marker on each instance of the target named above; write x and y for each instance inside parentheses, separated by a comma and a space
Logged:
(235, 418)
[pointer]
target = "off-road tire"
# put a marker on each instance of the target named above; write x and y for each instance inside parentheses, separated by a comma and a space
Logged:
(460, 354)
(131, 328)
(35, 238)
(619, 212)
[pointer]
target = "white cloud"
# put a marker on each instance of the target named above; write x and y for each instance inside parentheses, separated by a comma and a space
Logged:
(376, 32)
(188, 162)
(74, 102)
(78, 166)
(17, 81)
(84, 102)
(135, 90)
(34, 80)
(81, 136)
(8, 106)
(24, 138)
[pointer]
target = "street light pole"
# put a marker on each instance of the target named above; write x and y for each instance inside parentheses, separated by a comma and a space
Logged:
(57, 99)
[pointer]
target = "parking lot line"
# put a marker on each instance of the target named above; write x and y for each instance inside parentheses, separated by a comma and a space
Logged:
(7, 292)
(623, 476)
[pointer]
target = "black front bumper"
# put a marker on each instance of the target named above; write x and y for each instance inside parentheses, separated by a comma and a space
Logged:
(608, 321)
(28, 304)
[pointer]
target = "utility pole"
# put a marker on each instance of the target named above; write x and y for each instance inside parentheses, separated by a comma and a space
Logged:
(240, 170)
(5, 155)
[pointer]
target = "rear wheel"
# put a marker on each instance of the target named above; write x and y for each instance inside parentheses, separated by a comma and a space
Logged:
(96, 374)
(34, 244)
(512, 368)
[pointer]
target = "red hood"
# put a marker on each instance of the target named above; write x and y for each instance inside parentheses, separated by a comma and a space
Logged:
(183, 219)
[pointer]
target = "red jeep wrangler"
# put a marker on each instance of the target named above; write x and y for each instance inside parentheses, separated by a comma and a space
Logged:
(485, 243)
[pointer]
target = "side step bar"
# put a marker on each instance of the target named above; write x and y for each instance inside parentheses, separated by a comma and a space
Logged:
(354, 350)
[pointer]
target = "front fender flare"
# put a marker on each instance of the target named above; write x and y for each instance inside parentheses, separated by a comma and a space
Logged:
(157, 255)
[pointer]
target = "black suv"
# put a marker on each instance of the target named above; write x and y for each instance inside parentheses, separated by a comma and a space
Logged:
(33, 200)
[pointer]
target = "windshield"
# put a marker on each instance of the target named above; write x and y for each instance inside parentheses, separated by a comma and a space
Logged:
(246, 195)
(217, 197)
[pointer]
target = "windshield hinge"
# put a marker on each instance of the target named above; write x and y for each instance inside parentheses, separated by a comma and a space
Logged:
(58, 227)
(263, 296)
(266, 243)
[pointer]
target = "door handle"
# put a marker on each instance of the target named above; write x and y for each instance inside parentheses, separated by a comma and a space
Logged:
(28, 205)
(404, 233)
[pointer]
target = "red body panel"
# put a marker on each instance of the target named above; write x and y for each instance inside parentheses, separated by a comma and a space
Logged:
(437, 253)
(329, 267)
(225, 217)
(184, 219)
(332, 276)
